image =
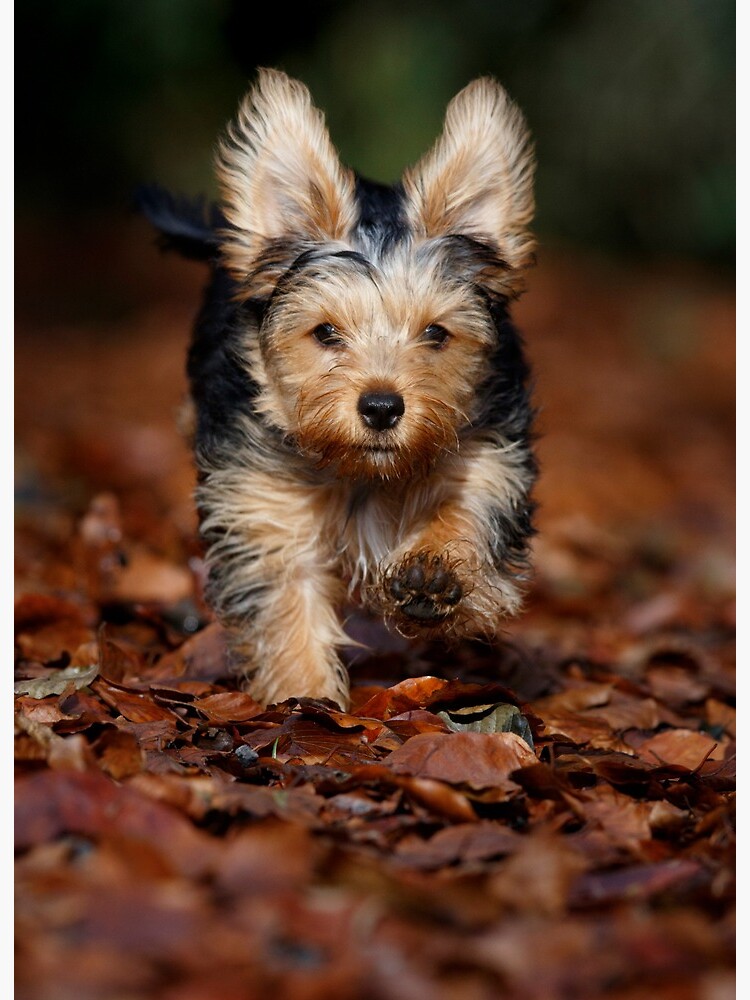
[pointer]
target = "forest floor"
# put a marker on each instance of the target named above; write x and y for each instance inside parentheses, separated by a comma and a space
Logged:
(177, 841)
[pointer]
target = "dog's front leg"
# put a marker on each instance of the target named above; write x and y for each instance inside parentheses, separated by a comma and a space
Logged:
(273, 585)
(460, 571)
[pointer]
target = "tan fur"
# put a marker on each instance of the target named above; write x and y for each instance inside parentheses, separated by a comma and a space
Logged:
(445, 519)
(312, 393)
(281, 562)
(341, 508)
(295, 547)
(477, 178)
(279, 174)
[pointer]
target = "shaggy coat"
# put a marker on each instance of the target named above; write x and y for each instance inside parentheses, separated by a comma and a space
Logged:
(362, 413)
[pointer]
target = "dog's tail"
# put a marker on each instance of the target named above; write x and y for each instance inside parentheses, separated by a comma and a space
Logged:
(188, 226)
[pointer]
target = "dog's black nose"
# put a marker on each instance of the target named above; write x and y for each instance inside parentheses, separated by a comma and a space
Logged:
(381, 410)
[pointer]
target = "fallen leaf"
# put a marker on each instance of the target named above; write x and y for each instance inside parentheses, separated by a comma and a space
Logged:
(481, 760)
(269, 857)
(408, 695)
(33, 611)
(57, 682)
(680, 746)
(465, 844)
(635, 883)
(538, 876)
(135, 706)
(201, 657)
(118, 753)
(228, 706)
(51, 803)
(50, 643)
(439, 798)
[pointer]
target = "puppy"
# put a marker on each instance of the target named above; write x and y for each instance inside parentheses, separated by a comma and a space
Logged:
(362, 410)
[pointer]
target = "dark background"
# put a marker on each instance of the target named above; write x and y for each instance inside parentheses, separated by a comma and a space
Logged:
(631, 103)
(629, 317)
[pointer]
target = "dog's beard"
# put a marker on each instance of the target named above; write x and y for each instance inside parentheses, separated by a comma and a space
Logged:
(398, 455)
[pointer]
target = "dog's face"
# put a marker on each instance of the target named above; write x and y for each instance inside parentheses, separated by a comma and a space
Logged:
(376, 327)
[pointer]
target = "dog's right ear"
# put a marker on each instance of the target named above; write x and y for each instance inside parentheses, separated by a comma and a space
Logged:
(281, 180)
(476, 180)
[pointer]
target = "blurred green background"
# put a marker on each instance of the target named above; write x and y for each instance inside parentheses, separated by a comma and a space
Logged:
(631, 102)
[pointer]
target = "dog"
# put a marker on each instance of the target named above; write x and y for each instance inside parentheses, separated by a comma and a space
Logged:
(362, 408)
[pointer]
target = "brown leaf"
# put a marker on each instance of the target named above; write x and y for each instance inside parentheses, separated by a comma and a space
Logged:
(45, 710)
(201, 657)
(624, 820)
(542, 781)
(358, 805)
(311, 738)
(667, 820)
(34, 611)
(465, 844)
(135, 706)
(406, 696)
(228, 706)
(100, 547)
(628, 712)
(720, 714)
(581, 728)
(333, 719)
(50, 643)
(680, 746)
(417, 721)
(82, 709)
(269, 857)
(538, 875)
(636, 883)
(117, 662)
(61, 753)
(481, 760)
(439, 798)
(151, 736)
(70, 753)
(300, 805)
(118, 753)
(49, 804)
(573, 698)
(676, 685)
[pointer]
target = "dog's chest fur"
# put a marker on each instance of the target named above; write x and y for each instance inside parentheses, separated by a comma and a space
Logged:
(379, 520)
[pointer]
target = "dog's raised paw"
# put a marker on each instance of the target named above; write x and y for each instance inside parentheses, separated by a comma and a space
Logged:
(424, 589)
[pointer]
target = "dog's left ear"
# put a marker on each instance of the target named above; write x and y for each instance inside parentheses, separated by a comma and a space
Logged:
(281, 181)
(477, 179)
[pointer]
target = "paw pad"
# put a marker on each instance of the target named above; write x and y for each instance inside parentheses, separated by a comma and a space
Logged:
(424, 589)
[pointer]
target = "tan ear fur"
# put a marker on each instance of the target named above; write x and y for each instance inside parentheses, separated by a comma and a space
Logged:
(279, 175)
(477, 178)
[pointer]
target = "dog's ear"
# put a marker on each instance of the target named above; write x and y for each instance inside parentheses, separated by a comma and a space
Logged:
(477, 179)
(280, 177)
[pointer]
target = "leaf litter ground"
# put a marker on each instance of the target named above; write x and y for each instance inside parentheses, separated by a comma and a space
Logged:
(176, 840)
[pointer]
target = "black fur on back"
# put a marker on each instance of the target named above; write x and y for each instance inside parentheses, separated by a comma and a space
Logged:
(220, 384)
(186, 225)
(507, 407)
(506, 392)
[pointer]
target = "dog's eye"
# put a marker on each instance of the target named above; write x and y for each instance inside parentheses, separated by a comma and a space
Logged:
(435, 336)
(327, 335)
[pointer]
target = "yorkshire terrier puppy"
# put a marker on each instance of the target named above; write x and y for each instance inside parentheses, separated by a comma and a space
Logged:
(362, 413)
